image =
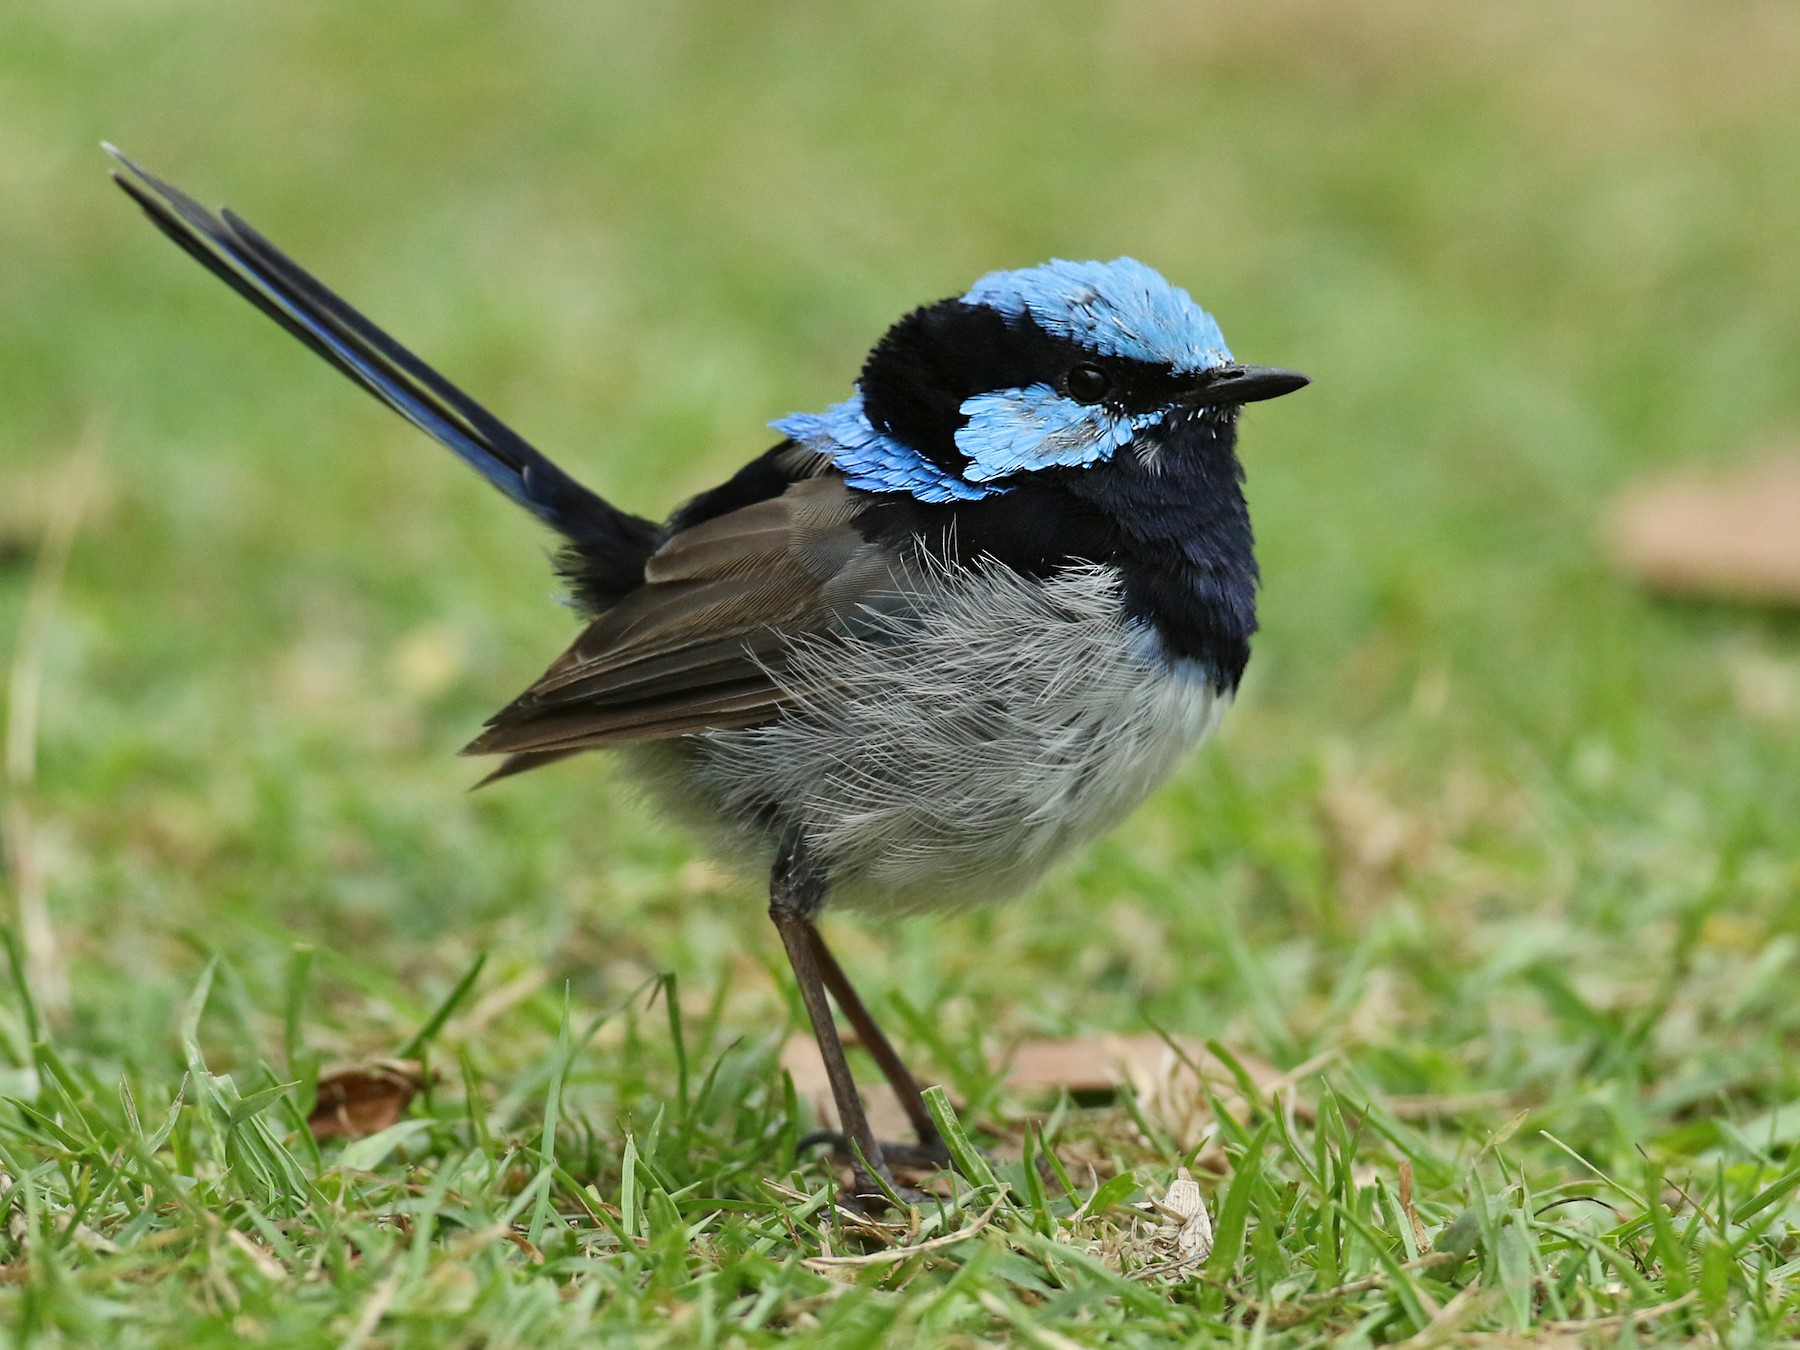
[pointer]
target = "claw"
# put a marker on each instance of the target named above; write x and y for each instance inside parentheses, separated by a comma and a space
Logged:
(933, 1157)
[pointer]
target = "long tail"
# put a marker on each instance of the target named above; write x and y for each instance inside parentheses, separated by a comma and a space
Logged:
(607, 546)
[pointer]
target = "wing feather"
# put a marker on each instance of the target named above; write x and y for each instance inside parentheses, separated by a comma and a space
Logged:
(702, 644)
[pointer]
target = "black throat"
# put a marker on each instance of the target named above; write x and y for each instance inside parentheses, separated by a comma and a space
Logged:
(1173, 521)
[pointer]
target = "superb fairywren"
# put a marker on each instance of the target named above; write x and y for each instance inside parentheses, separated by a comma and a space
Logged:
(939, 635)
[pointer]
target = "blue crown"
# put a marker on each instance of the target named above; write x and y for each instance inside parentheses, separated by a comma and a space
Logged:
(1118, 308)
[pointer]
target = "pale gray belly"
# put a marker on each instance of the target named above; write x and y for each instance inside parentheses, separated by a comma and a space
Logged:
(953, 757)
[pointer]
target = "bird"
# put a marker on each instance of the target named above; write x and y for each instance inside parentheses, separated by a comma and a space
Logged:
(934, 639)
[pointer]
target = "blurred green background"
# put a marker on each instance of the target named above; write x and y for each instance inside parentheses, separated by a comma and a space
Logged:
(1485, 820)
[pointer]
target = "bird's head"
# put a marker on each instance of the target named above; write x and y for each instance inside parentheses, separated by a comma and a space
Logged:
(1060, 366)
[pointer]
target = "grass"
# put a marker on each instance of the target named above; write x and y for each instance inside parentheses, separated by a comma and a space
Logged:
(1502, 855)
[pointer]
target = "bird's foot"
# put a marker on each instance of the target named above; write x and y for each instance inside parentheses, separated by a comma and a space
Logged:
(905, 1162)
(923, 1157)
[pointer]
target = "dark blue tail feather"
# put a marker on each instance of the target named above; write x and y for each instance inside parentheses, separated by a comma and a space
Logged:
(607, 546)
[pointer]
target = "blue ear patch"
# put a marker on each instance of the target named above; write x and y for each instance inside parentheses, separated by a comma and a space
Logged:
(1119, 308)
(872, 461)
(1010, 430)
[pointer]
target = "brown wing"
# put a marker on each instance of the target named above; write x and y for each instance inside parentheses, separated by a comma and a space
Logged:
(700, 645)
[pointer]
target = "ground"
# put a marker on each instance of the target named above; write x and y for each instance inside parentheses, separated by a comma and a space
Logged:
(1496, 858)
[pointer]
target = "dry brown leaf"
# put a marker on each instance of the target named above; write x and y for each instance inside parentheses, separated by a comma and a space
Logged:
(1161, 1078)
(1106, 1063)
(356, 1100)
(1733, 536)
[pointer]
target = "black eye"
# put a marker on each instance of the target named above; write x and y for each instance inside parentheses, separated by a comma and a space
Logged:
(1087, 384)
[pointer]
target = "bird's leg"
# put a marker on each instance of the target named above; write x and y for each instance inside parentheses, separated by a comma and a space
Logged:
(796, 894)
(931, 1150)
